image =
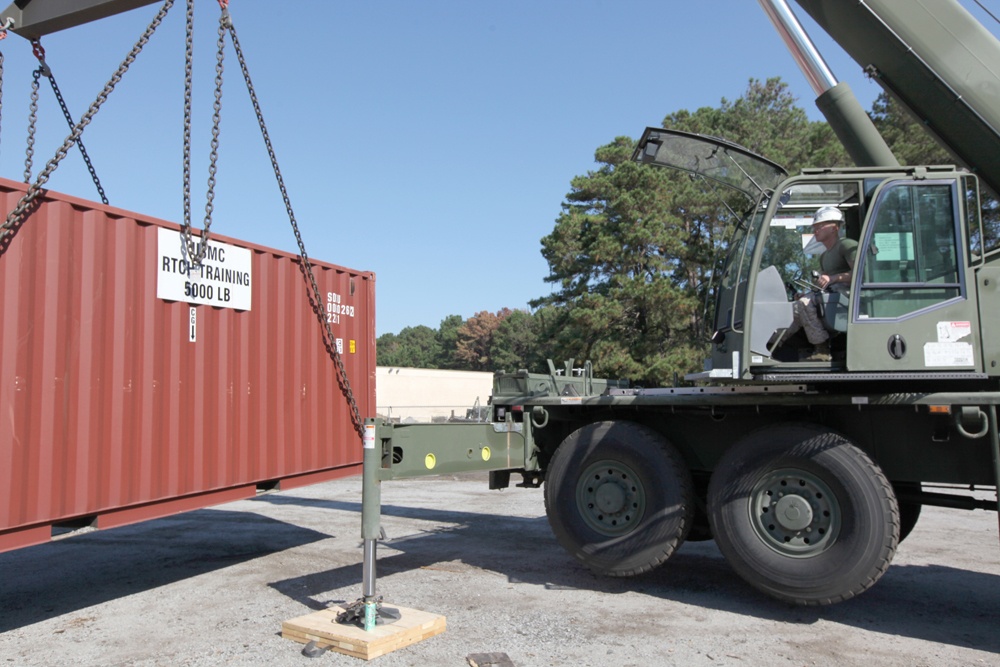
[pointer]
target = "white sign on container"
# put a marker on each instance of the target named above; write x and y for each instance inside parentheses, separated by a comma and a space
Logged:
(223, 279)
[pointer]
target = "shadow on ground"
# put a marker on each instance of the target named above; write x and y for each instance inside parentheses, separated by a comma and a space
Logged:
(42, 582)
(60, 577)
(910, 600)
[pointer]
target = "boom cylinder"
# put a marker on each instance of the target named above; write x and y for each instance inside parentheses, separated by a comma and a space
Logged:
(836, 101)
(852, 125)
(806, 56)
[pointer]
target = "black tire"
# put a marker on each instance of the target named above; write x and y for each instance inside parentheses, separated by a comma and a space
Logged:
(618, 497)
(840, 521)
(909, 511)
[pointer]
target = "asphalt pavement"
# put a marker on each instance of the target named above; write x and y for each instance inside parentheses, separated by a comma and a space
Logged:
(212, 587)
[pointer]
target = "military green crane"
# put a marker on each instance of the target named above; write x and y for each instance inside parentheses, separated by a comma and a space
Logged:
(807, 469)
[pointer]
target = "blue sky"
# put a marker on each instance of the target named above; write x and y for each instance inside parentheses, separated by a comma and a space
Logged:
(430, 142)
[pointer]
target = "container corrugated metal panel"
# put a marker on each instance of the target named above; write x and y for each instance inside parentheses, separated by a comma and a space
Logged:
(108, 411)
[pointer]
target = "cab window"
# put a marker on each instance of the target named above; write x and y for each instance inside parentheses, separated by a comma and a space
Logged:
(790, 246)
(911, 261)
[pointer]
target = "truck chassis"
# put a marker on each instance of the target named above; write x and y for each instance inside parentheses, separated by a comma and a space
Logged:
(807, 488)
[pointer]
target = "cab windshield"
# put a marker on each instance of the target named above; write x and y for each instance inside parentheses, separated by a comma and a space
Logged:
(722, 163)
(731, 296)
(717, 160)
(790, 245)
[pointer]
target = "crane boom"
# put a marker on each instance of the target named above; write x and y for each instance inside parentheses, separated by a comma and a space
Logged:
(34, 18)
(937, 60)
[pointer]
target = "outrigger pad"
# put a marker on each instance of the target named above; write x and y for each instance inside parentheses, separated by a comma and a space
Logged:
(354, 614)
(322, 631)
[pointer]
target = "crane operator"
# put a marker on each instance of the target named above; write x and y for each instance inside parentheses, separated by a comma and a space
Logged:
(836, 265)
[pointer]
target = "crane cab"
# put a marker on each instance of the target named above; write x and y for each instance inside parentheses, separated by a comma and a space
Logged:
(924, 262)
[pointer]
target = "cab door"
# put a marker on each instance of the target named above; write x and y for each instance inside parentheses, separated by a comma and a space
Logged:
(913, 307)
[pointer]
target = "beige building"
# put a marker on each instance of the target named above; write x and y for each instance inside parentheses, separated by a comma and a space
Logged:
(426, 394)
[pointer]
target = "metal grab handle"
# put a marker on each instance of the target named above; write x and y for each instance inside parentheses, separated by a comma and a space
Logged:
(542, 412)
(966, 415)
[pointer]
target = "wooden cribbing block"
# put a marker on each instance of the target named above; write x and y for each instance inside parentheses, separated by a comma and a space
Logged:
(322, 628)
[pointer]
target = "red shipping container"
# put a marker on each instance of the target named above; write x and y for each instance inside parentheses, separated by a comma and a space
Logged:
(117, 405)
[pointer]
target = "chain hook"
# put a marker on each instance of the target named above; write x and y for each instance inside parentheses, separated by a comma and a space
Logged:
(7, 25)
(39, 51)
(226, 21)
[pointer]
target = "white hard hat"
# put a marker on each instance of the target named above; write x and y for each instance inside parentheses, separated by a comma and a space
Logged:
(828, 214)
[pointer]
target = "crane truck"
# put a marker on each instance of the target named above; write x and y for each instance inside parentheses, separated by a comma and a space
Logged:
(806, 473)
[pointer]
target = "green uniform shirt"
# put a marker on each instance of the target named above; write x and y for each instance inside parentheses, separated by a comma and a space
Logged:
(839, 258)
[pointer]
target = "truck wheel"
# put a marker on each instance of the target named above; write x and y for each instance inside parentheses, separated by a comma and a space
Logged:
(909, 512)
(803, 515)
(618, 497)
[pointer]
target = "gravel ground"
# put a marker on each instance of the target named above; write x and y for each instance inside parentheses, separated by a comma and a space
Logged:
(212, 587)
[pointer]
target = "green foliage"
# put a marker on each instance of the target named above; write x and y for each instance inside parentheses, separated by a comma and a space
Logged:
(447, 336)
(515, 343)
(633, 250)
(622, 258)
(908, 140)
(505, 340)
(416, 347)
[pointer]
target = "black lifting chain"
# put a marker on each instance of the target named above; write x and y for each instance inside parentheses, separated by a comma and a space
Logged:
(195, 252)
(15, 217)
(44, 70)
(315, 297)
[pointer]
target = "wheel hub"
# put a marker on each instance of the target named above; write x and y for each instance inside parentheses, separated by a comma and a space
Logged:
(610, 497)
(795, 513)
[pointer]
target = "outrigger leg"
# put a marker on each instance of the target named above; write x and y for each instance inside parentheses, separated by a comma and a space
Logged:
(371, 510)
(367, 611)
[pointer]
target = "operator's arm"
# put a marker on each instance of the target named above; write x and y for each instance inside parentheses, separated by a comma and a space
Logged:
(833, 278)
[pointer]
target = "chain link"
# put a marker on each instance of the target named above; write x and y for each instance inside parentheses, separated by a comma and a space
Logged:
(16, 216)
(213, 155)
(29, 151)
(315, 297)
(196, 253)
(188, 60)
(46, 71)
